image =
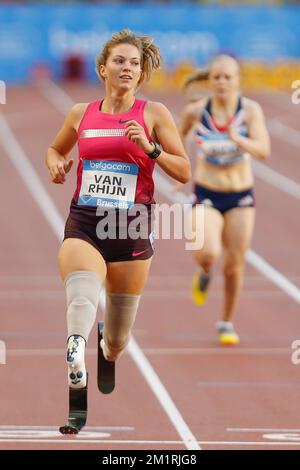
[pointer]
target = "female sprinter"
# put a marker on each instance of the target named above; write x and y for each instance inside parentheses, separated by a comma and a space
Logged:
(229, 129)
(120, 139)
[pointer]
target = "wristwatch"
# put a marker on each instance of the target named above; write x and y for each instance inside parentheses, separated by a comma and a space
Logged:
(156, 150)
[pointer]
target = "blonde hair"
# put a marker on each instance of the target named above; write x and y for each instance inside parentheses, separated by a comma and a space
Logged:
(199, 75)
(202, 75)
(150, 54)
(224, 58)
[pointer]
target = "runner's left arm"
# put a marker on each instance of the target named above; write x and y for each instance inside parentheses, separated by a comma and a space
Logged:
(258, 142)
(173, 158)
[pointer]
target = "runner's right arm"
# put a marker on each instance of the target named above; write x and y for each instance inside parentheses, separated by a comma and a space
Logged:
(56, 157)
(188, 121)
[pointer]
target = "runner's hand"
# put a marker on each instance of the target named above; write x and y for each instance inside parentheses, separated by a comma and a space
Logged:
(136, 133)
(58, 171)
(233, 135)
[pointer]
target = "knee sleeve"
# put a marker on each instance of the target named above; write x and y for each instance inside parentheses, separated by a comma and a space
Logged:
(83, 290)
(120, 313)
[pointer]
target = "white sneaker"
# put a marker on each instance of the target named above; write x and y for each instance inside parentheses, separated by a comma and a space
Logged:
(75, 361)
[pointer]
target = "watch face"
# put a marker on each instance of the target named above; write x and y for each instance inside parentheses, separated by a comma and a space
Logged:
(156, 151)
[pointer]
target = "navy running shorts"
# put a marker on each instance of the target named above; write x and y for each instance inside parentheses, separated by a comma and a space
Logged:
(223, 201)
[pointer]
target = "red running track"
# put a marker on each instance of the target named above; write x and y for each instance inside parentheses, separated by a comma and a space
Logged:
(236, 398)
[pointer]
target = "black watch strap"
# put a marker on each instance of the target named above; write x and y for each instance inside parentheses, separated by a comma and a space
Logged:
(155, 152)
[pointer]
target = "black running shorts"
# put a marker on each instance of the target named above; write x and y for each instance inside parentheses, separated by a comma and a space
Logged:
(118, 234)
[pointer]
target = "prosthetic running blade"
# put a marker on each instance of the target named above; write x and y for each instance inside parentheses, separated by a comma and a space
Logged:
(106, 369)
(77, 410)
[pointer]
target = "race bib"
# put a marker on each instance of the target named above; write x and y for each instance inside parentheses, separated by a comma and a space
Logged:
(108, 184)
(219, 149)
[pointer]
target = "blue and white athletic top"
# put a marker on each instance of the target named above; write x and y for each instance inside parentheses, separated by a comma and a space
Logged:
(213, 142)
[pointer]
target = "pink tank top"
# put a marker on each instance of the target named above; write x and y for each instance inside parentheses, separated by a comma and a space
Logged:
(112, 172)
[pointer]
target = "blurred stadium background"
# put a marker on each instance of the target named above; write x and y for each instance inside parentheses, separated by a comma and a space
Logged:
(229, 398)
(61, 39)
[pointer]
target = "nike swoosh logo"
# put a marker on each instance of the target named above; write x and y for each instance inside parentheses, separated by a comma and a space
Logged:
(137, 253)
(122, 121)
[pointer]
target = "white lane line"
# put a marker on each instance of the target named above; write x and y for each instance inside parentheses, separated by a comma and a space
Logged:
(215, 351)
(87, 429)
(78, 441)
(155, 279)
(275, 276)
(163, 396)
(155, 294)
(50, 212)
(19, 294)
(20, 117)
(44, 352)
(56, 96)
(141, 442)
(255, 260)
(283, 132)
(158, 352)
(254, 443)
(28, 174)
(280, 430)
(281, 182)
(248, 385)
(281, 98)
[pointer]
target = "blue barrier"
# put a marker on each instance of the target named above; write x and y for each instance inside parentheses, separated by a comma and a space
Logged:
(39, 33)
